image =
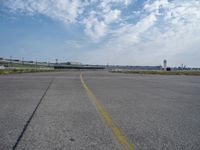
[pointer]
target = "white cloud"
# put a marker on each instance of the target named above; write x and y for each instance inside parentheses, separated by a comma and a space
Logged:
(115, 2)
(156, 5)
(129, 35)
(63, 10)
(100, 19)
(112, 16)
(96, 25)
(93, 27)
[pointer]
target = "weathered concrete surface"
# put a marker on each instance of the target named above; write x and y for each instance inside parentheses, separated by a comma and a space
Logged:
(155, 112)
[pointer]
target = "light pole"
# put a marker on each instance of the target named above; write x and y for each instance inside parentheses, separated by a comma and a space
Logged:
(165, 64)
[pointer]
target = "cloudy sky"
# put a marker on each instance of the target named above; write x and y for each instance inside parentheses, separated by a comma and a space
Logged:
(124, 32)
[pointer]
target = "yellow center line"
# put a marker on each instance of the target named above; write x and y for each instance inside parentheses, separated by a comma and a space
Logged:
(117, 132)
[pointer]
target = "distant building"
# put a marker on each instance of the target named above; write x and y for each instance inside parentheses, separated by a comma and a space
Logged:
(134, 67)
(75, 63)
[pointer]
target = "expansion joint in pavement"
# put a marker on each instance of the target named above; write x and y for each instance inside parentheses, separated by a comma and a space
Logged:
(31, 117)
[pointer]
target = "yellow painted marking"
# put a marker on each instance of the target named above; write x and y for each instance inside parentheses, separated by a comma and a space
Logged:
(120, 136)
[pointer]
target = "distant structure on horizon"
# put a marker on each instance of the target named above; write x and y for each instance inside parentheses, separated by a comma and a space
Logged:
(165, 64)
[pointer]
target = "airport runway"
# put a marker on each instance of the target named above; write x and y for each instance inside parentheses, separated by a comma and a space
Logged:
(98, 110)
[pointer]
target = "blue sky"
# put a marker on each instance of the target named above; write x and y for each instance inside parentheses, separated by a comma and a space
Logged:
(120, 32)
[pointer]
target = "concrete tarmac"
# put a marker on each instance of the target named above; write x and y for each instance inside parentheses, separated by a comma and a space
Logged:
(154, 112)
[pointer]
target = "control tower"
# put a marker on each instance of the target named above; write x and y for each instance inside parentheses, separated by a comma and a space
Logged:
(165, 64)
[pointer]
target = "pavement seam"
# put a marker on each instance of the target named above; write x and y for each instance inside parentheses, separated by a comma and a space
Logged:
(117, 132)
(31, 117)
